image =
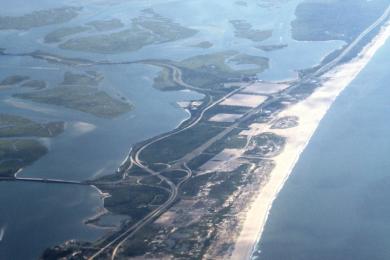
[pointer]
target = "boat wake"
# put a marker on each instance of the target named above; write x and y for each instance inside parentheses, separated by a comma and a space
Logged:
(2, 233)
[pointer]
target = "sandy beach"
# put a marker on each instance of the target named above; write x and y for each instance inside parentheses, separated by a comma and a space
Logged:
(310, 112)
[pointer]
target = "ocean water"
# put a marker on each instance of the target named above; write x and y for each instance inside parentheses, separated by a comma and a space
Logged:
(335, 205)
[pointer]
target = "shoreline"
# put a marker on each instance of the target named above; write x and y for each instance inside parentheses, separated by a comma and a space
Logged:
(310, 112)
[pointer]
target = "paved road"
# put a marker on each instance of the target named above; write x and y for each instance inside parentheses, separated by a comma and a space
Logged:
(351, 46)
(43, 180)
(135, 160)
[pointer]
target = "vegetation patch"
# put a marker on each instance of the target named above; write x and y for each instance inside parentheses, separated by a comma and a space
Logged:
(163, 81)
(285, 122)
(78, 92)
(58, 59)
(178, 145)
(245, 30)
(231, 141)
(17, 126)
(193, 186)
(106, 25)
(135, 201)
(245, 59)
(149, 28)
(35, 84)
(174, 176)
(199, 160)
(266, 145)
(150, 180)
(269, 48)
(325, 20)
(211, 71)
(227, 183)
(13, 80)
(39, 18)
(203, 45)
(16, 154)
(58, 35)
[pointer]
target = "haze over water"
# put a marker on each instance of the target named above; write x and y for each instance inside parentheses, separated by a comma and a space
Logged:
(335, 203)
(80, 153)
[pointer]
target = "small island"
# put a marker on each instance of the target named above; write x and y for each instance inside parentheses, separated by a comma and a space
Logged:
(273, 47)
(203, 45)
(60, 33)
(39, 18)
(241, 3)
(80, 92)
(35, 84)
(245, 30)
(16, 154)
(149, 28)
(209, 71)
(106, 25)
(17, 126)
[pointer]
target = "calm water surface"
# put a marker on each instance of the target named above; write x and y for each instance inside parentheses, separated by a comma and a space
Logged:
(35, 216)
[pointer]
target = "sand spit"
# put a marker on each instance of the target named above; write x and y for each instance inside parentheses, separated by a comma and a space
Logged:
(310, 112)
